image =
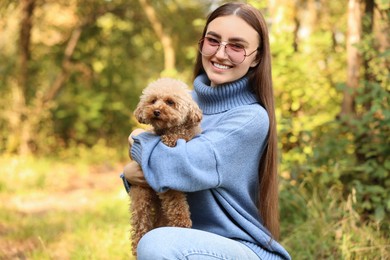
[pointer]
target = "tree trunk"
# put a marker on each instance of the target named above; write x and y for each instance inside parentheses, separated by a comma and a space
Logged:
(368, 30)
(381, 28)
(65, 66)
(19, 129)
(165, 39)
(29, 106)
(297, 25)
(24, 42)
(353, 57)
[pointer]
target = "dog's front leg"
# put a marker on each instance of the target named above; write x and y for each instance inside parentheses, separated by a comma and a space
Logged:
(175, 207)
(142, 207)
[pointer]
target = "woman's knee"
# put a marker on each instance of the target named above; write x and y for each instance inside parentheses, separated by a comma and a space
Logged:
(158, 244)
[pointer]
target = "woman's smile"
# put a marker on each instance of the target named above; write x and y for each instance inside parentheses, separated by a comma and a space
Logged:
(221, 66)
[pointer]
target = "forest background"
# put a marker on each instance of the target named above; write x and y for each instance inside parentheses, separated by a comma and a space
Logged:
(71, 72)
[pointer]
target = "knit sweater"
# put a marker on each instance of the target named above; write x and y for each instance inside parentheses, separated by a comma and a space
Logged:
(218, 169)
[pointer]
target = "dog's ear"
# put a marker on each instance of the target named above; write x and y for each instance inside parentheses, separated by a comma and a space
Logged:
(138, 113)
(195, 114)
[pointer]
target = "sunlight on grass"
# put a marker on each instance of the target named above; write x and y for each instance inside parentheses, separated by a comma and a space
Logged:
(78, 213)
(23, 174)
(98, 233)
(52, 209)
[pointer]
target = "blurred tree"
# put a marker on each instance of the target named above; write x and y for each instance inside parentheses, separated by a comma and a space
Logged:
(369, 118)
(20, 119)
(84, 65)
(353, 56)
(334, 118)
(165, 39)
(31, 99)
(308, 61)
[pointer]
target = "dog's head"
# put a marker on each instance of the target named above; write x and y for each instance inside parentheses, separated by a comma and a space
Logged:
(167, 103)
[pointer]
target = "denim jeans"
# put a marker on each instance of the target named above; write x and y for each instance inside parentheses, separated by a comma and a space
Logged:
(190, 244)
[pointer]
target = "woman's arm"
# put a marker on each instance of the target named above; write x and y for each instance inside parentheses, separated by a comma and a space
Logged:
(132, 173)
(236, 138)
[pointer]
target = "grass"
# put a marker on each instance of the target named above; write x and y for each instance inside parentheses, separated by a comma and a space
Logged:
(56, 210)
(64, 209)
(322, 225)
(89, 234)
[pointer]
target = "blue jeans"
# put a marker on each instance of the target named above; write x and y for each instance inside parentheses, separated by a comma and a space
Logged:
(190, 244)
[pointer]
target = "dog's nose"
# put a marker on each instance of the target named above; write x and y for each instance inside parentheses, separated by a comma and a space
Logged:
(156, 112)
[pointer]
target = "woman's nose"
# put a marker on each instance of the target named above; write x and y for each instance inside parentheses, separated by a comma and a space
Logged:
(221, 53)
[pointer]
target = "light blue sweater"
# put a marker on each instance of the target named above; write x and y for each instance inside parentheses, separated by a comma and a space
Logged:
(218, 169)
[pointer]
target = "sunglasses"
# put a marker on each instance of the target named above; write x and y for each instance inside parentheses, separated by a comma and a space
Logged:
(236, 53)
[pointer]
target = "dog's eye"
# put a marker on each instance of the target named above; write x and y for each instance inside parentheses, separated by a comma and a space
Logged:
(170, 102)
(153, 101)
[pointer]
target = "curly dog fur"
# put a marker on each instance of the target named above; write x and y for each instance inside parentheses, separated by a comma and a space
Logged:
(168, 107)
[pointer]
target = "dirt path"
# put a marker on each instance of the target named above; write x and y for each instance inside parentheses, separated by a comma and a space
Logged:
(75, 193)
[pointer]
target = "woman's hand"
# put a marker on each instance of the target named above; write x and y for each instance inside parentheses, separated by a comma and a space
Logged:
(132, 171)
(133, 174)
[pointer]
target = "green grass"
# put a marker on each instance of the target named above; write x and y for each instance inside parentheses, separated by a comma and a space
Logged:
(322, 225)
(59, 209)
(100, 233)
(83, 221)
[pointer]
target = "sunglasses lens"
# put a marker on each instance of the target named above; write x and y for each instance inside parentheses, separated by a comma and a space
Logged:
(209, 46)
(235, 54)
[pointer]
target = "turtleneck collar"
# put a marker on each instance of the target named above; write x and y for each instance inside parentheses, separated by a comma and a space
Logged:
(223, 97)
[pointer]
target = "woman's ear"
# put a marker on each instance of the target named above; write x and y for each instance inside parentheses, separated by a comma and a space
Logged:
(255, 63)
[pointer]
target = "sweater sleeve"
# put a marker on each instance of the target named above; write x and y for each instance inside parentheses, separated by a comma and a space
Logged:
(203, 162)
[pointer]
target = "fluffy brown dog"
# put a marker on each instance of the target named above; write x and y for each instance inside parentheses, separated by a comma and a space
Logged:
(168, 107)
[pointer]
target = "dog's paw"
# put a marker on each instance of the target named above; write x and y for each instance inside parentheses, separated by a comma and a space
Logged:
(171, 142)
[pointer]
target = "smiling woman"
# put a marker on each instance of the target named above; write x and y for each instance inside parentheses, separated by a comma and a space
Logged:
(228, 171)
(230, 63)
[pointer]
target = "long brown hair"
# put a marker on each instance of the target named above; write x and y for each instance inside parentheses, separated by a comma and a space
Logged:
(260, 79)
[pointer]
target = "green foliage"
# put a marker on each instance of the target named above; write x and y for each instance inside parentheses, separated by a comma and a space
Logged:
(369, 175)
(321, 151)
(117, 54)
(321, 224)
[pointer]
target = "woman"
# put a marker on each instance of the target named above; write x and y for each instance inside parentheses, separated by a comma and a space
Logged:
(229, 170)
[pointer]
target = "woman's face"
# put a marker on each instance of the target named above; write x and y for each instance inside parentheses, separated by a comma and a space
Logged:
(230, 29)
